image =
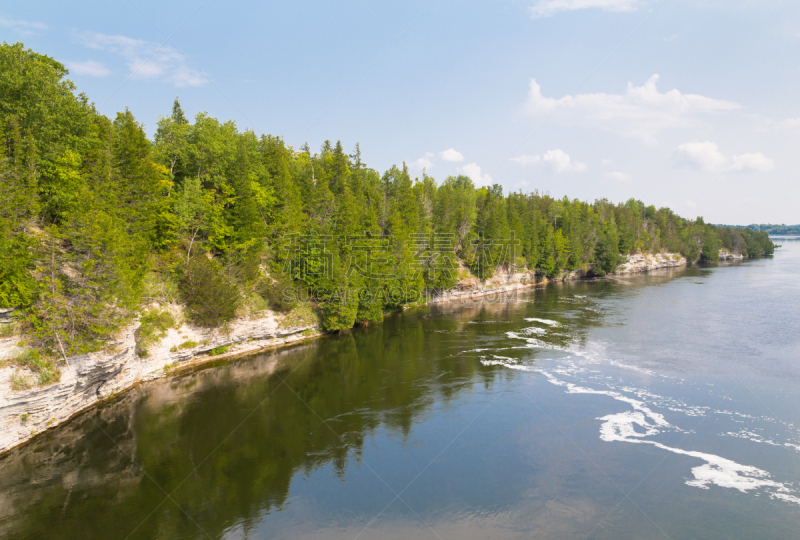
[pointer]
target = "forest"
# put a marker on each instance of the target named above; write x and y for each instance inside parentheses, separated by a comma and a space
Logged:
(98, 223)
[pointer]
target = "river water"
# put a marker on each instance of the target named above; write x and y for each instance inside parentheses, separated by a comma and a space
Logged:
(654, 406)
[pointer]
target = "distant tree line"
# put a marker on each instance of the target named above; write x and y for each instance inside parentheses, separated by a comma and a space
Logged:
(776, 230)
(97, 221)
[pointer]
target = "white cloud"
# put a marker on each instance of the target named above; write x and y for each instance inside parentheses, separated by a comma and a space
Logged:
(421, 163)
(451, 154)
(147, 60)
(699, 155)
(561, 162)
(24, 27)
(473, 170)
(752, 162)
(89, 67)
(547, 8)
(619, 176)
(673, 37)
(706, 156)
(527, 160)
(558, 160)
(641, 112)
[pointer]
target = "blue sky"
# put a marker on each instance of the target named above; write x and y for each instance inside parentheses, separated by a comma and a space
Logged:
(688, 104)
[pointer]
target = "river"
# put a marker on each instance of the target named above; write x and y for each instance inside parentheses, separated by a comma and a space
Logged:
(652, 406)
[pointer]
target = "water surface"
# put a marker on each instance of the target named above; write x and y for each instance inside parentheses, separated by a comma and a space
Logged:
(657, 406)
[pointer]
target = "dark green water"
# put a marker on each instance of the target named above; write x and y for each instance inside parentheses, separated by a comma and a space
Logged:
(659, 406)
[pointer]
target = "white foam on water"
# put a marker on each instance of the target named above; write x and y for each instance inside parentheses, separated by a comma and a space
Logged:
(668, 403)
(639, 416)
(750, 436)
(635, 425)
(532, 342)
(740, 415)
(641, 422)
(534, 330)
(757, 438)
(503, 361)
(596, 355)
(623, 365)
(785, 497)
(548, 322)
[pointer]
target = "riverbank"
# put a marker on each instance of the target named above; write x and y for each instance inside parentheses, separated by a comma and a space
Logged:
(89, 379)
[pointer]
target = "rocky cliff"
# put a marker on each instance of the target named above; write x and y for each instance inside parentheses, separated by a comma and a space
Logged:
(89, 378)
(647, 262)
(728, 256)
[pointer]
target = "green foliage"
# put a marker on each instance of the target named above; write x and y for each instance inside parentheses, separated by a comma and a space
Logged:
(301, 315)
(160, 286)
(153, 325)
(747, 240)
(86, 293)
(219, 350)
(606, 254)
(33, 89)
(97, 221)
(339, 310)
(710, 251)
(279, 292)
(211, 297)
(17, 286)
(18, 185)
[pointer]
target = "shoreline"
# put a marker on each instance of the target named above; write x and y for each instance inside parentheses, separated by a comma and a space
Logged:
(93, 379)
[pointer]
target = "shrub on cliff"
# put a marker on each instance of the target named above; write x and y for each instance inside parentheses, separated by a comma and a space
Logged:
(278, 291)
(153, 325)
(211, 297)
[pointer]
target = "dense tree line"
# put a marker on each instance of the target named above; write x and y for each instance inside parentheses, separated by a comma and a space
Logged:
(97, 221)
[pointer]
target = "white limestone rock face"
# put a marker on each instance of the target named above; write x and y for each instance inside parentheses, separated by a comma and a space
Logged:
(497, 286)
(89, 378)
(646, 262)
(728, 256)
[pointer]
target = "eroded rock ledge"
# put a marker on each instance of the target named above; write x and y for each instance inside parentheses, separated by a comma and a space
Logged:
(90, 378)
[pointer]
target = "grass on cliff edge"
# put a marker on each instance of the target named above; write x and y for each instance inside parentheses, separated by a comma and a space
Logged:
(8, 330)
(302, 314)
(46, 368)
